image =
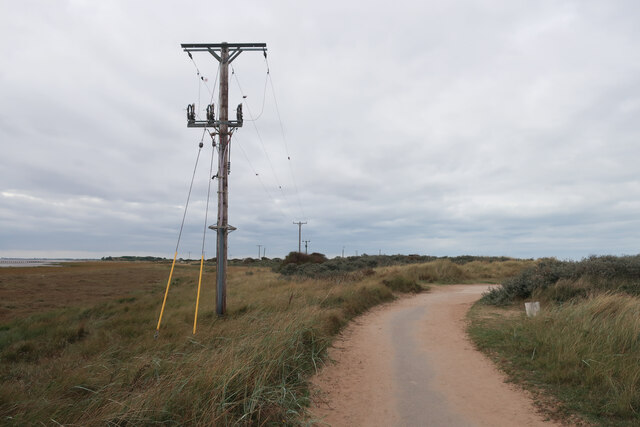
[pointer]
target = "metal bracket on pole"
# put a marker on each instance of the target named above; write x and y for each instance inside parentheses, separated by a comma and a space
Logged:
(213, 123)
(229, 228)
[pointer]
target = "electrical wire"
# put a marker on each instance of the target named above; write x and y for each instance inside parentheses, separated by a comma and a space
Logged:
(284, 139)
(204, 235)
(186, 206)
(206, 212)
(202, 79)
(264, 98)
(173, 264)
(257, 175)
(264, 149)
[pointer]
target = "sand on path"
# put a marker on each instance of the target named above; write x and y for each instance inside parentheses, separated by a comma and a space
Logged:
(410, 363)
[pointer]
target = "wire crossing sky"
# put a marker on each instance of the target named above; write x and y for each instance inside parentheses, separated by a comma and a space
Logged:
(441, 128)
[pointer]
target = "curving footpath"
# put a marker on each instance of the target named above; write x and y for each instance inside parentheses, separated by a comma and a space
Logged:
(410, 363)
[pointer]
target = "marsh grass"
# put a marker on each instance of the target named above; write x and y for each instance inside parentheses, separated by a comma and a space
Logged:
(97, 362)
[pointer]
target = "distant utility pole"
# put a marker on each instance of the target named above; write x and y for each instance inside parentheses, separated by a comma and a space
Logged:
(306, 242)
(343, 252)
(225, 53)
(259, 246)
(299, 235)
(264, 251)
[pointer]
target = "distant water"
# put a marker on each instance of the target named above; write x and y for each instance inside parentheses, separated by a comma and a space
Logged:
(30, 262)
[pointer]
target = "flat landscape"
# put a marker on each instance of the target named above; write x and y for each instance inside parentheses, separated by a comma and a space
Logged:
(320, 213)
(29, 290)
(78, 345)
(77, 341)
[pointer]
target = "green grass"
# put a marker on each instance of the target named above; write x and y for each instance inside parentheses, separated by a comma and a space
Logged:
(583, 348)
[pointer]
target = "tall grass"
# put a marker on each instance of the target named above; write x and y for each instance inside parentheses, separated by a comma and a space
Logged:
(584, 347)
(586, 352)
(447, 271)
(100, 364)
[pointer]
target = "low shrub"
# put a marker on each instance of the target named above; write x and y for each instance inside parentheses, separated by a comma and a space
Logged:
(400, 283)
(299, 258)
(554, 280)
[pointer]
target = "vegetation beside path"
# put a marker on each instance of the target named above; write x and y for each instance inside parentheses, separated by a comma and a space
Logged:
(583, 349)
(96, 361)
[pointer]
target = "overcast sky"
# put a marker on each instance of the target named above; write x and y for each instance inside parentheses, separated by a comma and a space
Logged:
(433, 127)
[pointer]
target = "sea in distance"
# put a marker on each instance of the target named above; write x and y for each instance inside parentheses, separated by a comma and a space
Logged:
(34, 262)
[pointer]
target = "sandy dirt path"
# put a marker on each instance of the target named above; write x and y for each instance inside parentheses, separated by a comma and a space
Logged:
(410, 363)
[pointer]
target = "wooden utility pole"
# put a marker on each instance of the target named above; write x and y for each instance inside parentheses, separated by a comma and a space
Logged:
(300, 224)
(225, 53)
(259, 247)
(223, 185)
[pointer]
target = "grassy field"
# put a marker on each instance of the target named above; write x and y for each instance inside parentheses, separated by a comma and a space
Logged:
(583, 348)
(77, 342)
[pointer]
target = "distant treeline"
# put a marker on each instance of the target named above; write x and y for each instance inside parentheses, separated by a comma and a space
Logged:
(317, 265)
(133, 258)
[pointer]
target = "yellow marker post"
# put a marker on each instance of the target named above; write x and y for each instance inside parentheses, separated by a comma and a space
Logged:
(195, 320)
(167, 291)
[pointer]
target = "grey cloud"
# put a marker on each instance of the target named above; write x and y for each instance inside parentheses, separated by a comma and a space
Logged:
(502, 128)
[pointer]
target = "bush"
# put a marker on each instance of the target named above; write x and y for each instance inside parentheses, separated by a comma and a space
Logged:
(299, 258)
(561, 281)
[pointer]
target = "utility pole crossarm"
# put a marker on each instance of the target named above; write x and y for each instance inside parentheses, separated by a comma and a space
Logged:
(234, 49)
(195, 47)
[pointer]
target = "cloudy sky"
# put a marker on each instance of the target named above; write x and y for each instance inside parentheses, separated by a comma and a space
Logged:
(432, 127)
